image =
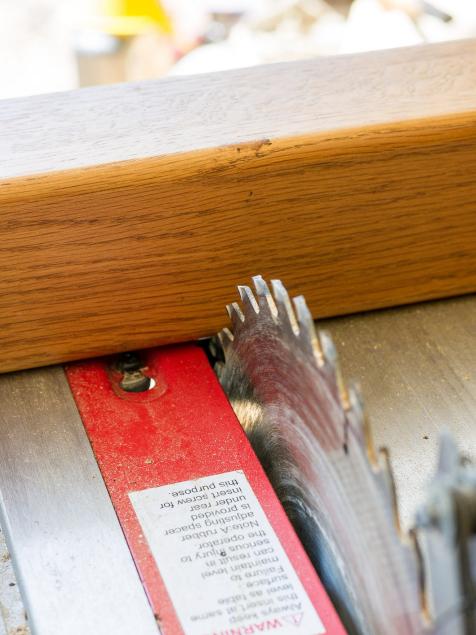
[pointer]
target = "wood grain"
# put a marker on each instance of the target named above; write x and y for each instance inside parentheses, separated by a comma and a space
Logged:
(129, 213)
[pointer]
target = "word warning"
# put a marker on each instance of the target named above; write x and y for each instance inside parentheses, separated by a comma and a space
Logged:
(224, 567)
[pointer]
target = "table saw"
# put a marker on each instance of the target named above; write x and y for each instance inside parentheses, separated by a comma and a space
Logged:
(166, 468)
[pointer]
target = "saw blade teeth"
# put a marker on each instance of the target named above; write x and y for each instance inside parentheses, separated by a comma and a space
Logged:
(448, 454)
(248, 300)
(272, 333)
(327, 346)
(387, 472)
(264, 294)
(330, 355)
(285, 308)
(219, 368)
(356, 414)
(225, 337)
(419, 563)
(236, 315)
(361, 423)
(444, 523)
(307, 329)
(356, 400)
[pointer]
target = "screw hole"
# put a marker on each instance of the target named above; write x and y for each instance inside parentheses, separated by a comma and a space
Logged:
(136, 381)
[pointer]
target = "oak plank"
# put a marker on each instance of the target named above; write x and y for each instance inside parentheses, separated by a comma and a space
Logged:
(129, 213)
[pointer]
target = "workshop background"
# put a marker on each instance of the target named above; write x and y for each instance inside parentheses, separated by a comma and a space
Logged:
(54, 45)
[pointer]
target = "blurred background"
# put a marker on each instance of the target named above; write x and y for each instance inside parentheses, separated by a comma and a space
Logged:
(52, 45)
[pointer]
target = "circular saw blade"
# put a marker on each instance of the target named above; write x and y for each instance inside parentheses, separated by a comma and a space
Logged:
(310, 434)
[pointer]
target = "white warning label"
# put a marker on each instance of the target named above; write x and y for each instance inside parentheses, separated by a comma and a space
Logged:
(223, 565)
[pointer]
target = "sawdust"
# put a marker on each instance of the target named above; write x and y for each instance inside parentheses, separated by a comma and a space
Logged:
(12, 614)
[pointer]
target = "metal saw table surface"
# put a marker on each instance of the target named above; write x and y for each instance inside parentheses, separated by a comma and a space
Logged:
(415, 365)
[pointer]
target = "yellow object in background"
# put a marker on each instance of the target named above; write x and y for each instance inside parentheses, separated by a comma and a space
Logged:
(126, 18)
(124, 40)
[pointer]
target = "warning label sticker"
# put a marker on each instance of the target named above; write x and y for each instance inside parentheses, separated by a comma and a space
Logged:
(223, 565)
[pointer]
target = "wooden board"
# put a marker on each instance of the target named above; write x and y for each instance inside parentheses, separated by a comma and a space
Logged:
(128, 213)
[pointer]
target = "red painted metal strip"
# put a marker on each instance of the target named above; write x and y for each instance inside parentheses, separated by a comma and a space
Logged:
(182, 429)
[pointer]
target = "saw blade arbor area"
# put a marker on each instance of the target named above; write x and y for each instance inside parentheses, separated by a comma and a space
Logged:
(310, 433)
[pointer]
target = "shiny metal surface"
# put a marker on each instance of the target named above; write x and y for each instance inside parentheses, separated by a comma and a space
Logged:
(12, 613)
(73, 566)
(446, 528)
(310, 433)
(416, 366)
